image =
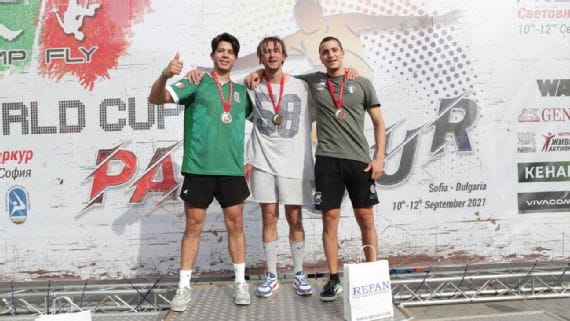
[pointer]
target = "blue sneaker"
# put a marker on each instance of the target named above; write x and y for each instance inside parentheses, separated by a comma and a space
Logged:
(270, 285)
(302, 285)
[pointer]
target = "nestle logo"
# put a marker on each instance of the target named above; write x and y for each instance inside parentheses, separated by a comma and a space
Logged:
(370, 289)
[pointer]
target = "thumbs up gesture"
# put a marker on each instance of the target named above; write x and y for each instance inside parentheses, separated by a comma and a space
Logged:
(174, 67)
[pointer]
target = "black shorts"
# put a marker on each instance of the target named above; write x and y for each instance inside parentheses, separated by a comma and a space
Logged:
(333, 175)
(199, 190)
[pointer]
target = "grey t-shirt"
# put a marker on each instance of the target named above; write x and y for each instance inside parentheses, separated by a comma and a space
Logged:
(342, 138)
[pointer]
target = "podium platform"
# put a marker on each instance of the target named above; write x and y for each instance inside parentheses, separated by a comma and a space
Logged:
(216, 303)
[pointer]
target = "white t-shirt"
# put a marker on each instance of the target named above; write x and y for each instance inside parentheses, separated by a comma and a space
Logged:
(283, 150)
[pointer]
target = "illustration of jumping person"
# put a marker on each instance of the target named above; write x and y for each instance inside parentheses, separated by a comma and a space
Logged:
(73, 17)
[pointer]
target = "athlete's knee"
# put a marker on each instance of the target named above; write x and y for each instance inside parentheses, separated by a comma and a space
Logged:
(234, 225)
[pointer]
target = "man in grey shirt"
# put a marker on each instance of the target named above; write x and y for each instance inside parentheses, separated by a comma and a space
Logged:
(342, 157)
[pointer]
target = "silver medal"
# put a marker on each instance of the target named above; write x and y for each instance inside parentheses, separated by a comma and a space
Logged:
(226, 117)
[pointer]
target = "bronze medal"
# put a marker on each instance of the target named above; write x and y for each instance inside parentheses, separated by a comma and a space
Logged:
(340, 114)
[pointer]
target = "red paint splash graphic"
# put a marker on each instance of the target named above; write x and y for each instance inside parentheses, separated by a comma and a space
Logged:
(87, 38)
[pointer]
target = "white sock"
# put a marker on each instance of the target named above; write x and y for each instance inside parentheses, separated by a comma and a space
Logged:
(184, 281)
(298, 252)
(270, 249)
(239, 271)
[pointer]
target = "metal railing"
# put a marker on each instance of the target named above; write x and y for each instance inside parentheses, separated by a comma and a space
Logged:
(428, 287)
(99, 298)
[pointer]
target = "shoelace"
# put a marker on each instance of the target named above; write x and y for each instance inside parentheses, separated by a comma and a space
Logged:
(330, 286)
(301, 279)
(268, 282)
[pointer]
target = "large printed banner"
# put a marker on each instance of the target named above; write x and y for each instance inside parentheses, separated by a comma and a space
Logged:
(475, 95)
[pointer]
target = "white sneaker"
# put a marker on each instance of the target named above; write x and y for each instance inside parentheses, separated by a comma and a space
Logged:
(270, 285)
(181, 299)
(302, 285)
(241, 294)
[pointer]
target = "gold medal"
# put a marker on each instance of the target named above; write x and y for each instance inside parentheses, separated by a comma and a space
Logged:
(277, 119)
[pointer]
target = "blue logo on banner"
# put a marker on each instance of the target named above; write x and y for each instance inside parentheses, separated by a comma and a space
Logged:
(18, 204)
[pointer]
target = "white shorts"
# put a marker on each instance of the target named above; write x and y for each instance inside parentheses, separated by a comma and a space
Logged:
(269, 188)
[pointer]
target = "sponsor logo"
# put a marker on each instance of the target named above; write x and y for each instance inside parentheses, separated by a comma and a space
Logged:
(556, 142)
(85, 39)
(542, 12)
(544, 172)
(553, 87)
(529, 115)
(526, 142)
(362, 291)
(158, 177)
(318, 198)
(18, 21)
(546, 115)
(17, 204)
(540, 202)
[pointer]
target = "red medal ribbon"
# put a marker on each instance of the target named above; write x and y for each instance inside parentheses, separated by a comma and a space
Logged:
(276, 107)
(226, 103)
(338, 102)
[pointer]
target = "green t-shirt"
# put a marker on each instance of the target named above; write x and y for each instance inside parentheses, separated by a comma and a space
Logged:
(212, 147)
(342, 138)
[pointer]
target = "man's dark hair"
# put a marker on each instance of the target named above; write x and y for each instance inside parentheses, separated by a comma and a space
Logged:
(275, 40)
(227, 38)
(330, 38)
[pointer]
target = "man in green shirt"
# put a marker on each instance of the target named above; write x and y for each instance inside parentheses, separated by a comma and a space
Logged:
(212, 165)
